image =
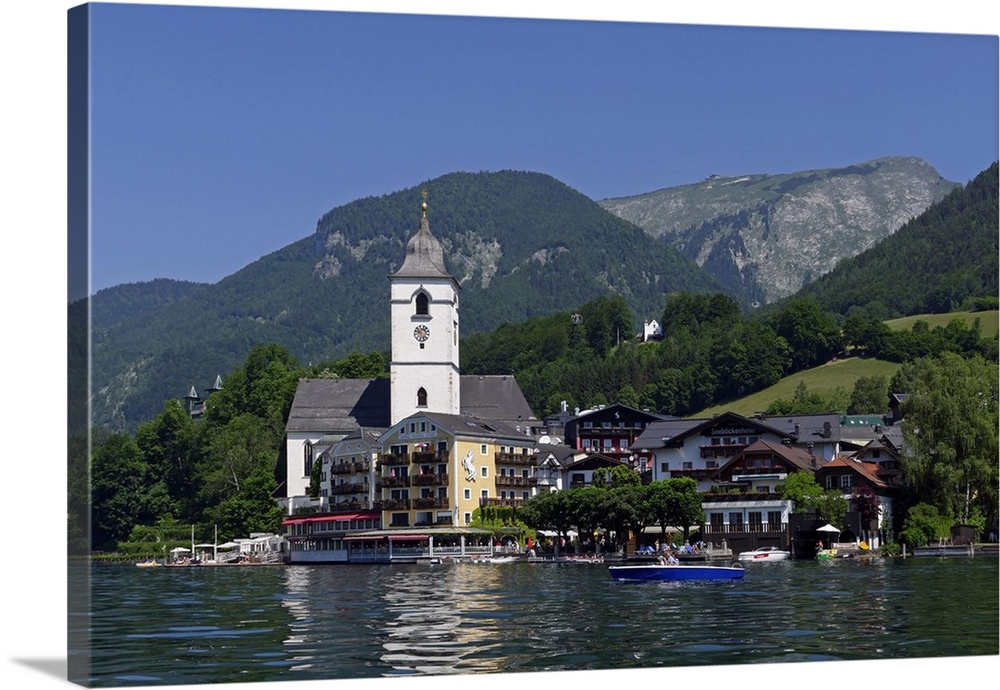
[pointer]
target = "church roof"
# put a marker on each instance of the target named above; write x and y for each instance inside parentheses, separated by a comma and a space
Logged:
(424, 255)
(342, 406)
(495, 397)
(339, 406)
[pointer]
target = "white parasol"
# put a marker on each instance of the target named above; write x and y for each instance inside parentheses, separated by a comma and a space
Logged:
(828, 528)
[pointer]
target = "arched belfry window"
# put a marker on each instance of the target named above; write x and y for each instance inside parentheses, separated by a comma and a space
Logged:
(422, 304)
(422, 397)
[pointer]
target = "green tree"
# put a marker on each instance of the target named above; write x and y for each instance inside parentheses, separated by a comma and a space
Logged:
(812, 333)
(241, 448)
(169, 444)
(552, 510)
(831, 506)
(618, 475)
(675, 503)
(756, 358)
(950, 431)
(924, 525)
(118, 483)
(251, 509)
(356, 366)
(803, 490)
(870, 394)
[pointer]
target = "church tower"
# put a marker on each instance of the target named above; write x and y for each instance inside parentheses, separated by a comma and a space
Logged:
(423, 371)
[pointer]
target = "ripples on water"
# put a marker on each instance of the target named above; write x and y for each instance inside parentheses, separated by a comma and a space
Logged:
(197, 625)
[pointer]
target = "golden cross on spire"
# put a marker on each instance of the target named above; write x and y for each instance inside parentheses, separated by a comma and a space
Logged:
(423, 205)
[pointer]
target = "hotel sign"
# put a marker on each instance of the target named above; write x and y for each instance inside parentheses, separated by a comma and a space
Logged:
(732, 431)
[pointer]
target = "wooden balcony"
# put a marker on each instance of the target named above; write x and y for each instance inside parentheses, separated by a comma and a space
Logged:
(392, 482)
(426, 456)
(502, 480)
(699, 473)
(429, 479)
(501, 502)
(517, 459)
(430, 502)
(350, 468)
(395, 459)
(393, 504)
(746, 528)
(347, 488)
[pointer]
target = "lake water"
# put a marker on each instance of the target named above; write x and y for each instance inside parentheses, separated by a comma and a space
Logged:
(171, 626)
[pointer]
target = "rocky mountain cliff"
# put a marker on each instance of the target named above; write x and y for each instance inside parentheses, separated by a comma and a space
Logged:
(765, 236)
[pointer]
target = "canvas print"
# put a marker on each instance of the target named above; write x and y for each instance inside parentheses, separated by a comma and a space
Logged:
(415, 345)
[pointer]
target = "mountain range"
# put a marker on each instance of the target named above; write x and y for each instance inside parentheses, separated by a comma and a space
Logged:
(765, 236)
(521, 244)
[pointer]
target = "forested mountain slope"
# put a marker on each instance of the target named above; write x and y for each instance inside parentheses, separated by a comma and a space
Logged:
(521, 245)
(935, 263)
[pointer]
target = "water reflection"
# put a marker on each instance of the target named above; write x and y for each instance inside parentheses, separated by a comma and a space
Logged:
(365, 621)
(430, 608)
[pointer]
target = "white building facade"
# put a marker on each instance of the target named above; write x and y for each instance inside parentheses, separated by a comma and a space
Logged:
(424, 374)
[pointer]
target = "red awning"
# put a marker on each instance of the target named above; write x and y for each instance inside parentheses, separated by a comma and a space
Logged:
(331, 518)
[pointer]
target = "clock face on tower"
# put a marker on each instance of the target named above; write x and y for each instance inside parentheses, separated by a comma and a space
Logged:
(421, 333)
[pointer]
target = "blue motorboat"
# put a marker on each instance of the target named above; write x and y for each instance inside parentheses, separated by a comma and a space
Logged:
(674, 573)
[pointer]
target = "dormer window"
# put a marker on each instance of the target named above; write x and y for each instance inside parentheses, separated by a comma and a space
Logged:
(422, 304)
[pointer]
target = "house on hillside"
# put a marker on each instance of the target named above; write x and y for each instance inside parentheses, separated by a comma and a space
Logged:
(610, 431)
(651, 330)
(697, 448)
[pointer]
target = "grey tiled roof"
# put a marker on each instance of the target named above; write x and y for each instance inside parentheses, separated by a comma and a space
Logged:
(560, 452)
(808, 427)
(673, 431)
(340, 406)
(496, 397)
(471, 426)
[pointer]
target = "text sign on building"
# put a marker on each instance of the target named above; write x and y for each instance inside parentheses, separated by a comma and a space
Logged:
(731, 431)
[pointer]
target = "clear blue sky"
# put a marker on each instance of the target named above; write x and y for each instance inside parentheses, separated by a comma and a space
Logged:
(221, 134)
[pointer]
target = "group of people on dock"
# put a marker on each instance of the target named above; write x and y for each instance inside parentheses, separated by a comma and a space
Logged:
(665, 556)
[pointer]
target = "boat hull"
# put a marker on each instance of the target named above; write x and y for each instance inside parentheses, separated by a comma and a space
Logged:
(674, 573)
(759, 556)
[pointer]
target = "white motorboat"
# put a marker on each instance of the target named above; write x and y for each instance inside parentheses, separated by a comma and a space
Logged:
(764, 553)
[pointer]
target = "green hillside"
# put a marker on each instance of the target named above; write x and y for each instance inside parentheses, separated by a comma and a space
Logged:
(990, 320)
(825, 379)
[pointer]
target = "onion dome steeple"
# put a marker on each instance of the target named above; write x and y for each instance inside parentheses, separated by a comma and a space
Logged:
(424, 255)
